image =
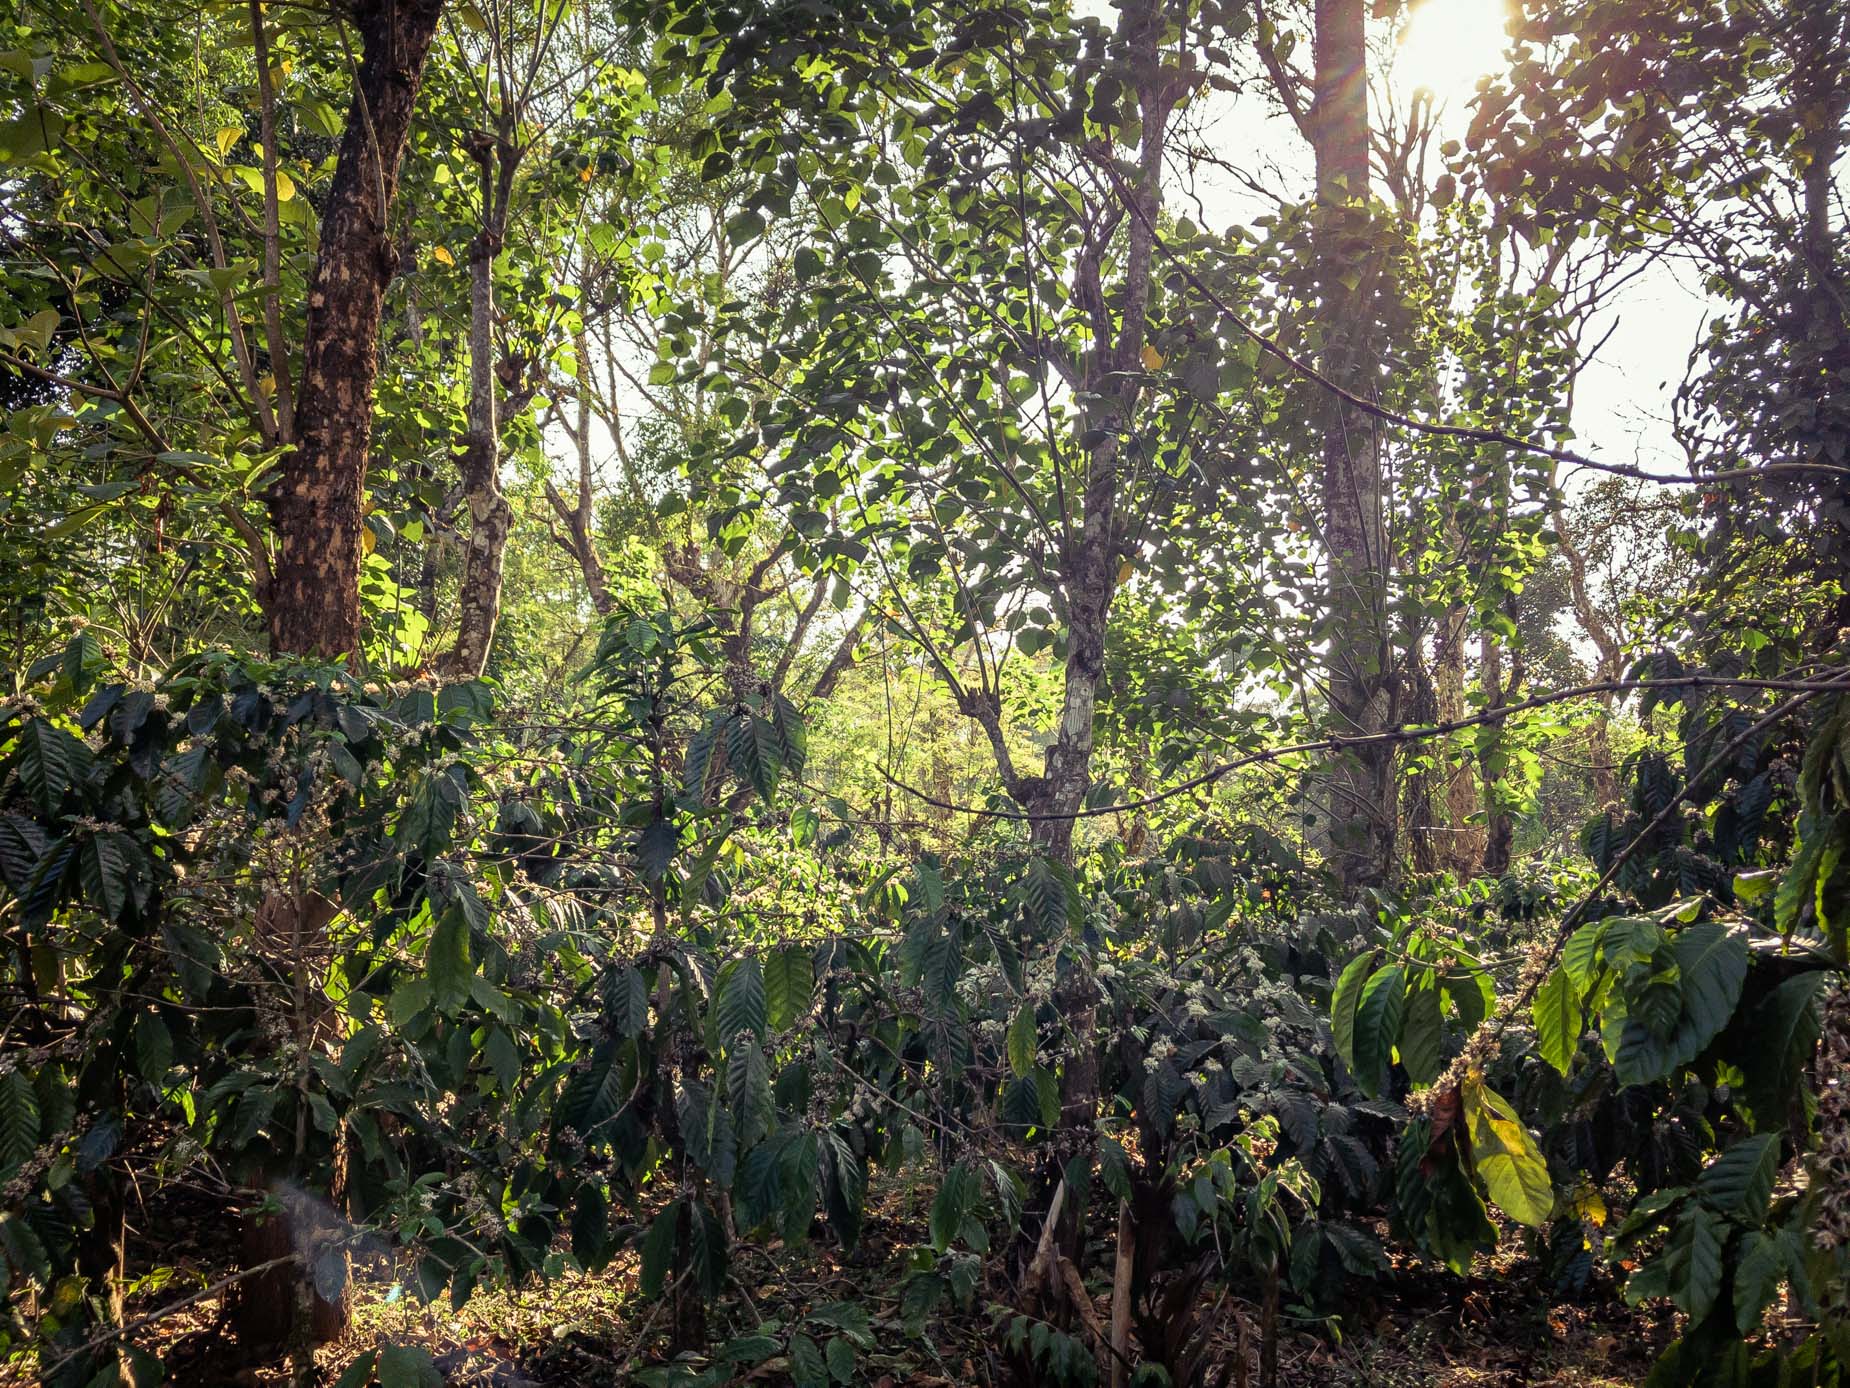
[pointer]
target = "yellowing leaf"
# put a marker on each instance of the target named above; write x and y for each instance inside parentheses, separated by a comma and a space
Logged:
(1586, 1203)
(1152, 359)
(441, 254)
(1505, 1156)
(285, 186)
(368, 540)
(227, 137)
(1124, 573)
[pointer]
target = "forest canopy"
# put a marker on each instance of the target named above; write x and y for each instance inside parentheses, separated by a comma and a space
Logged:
(994, 692)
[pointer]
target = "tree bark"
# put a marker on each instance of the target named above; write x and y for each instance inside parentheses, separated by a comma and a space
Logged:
(491, 519)
(579, 540)
(1358, 809)
(1499, 827)
(1603, 774)
(1089, 562)
(1462, 848)
(314, 598)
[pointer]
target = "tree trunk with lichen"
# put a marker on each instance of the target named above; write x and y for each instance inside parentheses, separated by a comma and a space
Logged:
(314, 593)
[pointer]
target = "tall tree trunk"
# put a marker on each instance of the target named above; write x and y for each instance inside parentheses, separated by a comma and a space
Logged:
(490, 517)
(1089, 564)
(314, 597)
(1358, 791)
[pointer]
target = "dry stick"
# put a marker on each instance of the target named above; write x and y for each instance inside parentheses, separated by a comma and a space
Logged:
(1121, 1294)
(1042, 1263)
(1807, 688)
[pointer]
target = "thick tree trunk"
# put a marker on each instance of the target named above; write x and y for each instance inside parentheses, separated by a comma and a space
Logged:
(314, 598)
(1358, 809)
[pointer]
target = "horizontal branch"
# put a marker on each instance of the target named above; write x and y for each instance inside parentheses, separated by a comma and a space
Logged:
(1805, 689)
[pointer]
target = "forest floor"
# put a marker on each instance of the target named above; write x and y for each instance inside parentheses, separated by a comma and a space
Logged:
(1419, 1328)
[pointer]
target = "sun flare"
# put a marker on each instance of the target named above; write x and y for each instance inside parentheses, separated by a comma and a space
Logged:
(1448, 44)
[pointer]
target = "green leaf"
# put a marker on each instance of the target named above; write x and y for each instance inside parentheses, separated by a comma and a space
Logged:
(755, 752)
(593, 1095)
(1740, 1181)
(51, 764)
(1711, 966)
(840, 1354)
(1751, 886)
(1759, 1268)
(1558, 1021)
(1580, 957)
(1377, 1028)
(626, 1001)
(19, 1120)
(748, 1093)
(808, 1369)
(789, 982)
(1021, 1038)
(407, 1366)
(953, 1206)
(1505, 1157)
(1779, 1045)
(658, 1250)
(656, 847)
(409, 998)
(591, 1228)
(792, 735)
(110, 869)
(804, 824)
(1695, 1257)
(740, 1005)
(446, 961)
(503, 1057)
(1795, 888)
(1344, 1002)
(153, 1047)
(707, 1132)
(1423, 1034)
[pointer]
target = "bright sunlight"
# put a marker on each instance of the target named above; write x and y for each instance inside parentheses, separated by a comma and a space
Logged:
(1448, 44)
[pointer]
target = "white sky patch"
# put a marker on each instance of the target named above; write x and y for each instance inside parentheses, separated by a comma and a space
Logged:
(1448, 45)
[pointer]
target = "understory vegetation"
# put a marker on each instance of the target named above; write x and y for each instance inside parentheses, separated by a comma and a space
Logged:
(973, 692)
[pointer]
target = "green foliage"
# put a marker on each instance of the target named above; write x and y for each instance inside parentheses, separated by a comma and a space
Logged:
(918, 401)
